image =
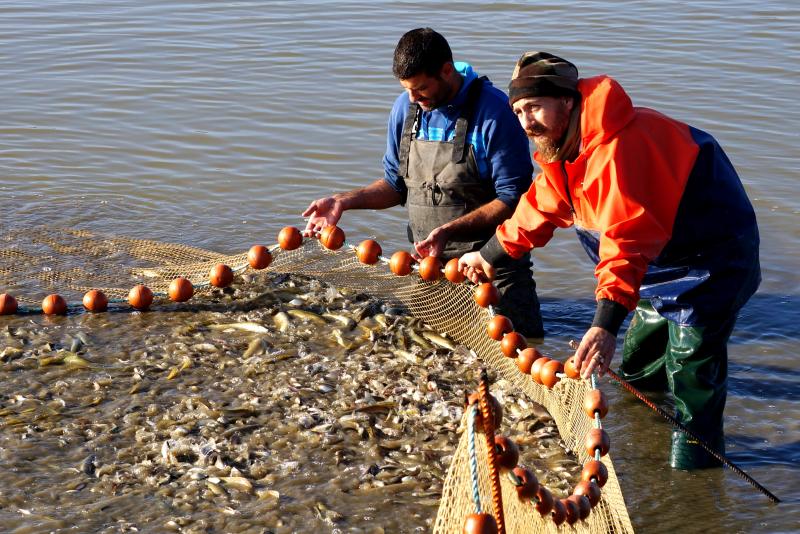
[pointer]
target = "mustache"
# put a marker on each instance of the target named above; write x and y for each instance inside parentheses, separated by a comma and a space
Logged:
(537, 131)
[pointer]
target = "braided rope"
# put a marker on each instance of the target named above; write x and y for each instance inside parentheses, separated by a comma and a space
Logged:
(736, 469)
(473, 460)
(494, 469)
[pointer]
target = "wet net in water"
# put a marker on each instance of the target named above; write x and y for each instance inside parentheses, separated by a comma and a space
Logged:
(35, 262)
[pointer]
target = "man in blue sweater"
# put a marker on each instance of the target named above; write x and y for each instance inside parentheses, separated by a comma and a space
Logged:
(458, 158)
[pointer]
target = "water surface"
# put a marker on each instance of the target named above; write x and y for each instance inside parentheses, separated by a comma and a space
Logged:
(215, 124)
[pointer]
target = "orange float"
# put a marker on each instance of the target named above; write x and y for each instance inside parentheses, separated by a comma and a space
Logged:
(594, 470)
(536, 368)
(8, 304)
(547, 374)
(452, 273)
(498, 326)
(368, 251)
(544, 500)
(595, 401)
(582, 503)
(54, 305)
(480, 524)
(95, 301)
(529, 484)
(400, 263)
(180, 290)
(259, 257)
(571, 510)
(290, 238)
(570, 370)
(590, 489)
(559, 512)
(507, 452)
(332, 237)
(220, 275)
(597, 438)
(512, 342)
(487, 295)
(430, 268)
(140, 297)
(526, 358)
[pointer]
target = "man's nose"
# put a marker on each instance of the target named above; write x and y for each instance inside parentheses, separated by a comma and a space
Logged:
(527, 122)
(413, 96)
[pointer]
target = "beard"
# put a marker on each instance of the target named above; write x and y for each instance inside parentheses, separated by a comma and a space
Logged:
(549, 140)
(548, 147)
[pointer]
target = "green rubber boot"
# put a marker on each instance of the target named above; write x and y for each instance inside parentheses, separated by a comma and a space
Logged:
(692, 363)
(687, 453)
(697, 372)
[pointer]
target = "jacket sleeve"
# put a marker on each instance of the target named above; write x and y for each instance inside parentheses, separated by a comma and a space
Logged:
(394, 131)
(634, 189)
(540, 211)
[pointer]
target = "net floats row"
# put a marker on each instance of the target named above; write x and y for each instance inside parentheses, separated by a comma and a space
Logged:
(141, 297)
(586, 494)
(548, 372)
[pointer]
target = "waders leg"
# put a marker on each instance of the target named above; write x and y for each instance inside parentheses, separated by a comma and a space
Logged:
(518, 299)
(644, 349)
(697, 371)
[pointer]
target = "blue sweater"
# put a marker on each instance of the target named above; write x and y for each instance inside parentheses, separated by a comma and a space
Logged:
(501, 147)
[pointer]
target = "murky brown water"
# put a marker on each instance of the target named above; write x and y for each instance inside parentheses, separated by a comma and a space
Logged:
(288, 408)
(214, 124)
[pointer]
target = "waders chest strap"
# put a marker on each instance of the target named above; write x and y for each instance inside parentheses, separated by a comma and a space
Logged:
(462, 123)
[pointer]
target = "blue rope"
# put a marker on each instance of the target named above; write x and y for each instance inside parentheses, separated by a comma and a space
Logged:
(473, 459)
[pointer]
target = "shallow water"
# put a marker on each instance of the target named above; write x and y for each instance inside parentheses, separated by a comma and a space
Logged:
(216, 124)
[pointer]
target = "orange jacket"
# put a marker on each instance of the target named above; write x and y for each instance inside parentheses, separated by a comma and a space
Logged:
(624, 192)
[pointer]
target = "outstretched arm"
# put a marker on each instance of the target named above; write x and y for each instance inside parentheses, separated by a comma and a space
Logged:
(327, 211)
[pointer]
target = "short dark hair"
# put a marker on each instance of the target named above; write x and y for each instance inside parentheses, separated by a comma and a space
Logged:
(420, 51)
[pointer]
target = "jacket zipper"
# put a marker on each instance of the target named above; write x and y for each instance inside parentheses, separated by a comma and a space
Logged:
(566, 188)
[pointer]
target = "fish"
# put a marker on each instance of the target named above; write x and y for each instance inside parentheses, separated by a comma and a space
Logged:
(306, 315)
(344, 320)
(238, 483)
(337, 335)
(418, 339)
(439, 340)
(282, 321)
(256, 346)
(244, 326)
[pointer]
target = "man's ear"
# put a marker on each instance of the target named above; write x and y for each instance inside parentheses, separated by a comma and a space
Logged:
(569, 102)
(447, 70)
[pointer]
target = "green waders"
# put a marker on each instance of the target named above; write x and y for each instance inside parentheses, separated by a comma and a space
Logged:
(693, 363)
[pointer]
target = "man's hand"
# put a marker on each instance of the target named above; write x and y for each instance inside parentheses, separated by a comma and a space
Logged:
(433, 245)
(326, 212)
(474, 267)
(595, 351)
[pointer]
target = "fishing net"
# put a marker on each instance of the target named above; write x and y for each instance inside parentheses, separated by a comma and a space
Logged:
(35, 262)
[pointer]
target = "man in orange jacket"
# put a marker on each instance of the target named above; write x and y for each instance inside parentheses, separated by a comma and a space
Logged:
(661, 211)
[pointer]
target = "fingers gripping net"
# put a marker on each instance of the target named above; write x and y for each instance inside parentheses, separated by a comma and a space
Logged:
(37, 261)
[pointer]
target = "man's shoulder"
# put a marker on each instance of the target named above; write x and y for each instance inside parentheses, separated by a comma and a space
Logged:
(399, 109)
(493, 99)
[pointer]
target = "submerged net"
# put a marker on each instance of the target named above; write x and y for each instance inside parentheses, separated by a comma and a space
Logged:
(38, 261)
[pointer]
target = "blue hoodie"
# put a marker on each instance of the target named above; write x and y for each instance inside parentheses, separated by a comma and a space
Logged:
(501, 147)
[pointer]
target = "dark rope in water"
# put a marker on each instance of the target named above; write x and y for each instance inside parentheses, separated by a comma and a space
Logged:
(736, 469)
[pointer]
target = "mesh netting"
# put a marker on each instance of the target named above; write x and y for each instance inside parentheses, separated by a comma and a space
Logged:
(36, 262)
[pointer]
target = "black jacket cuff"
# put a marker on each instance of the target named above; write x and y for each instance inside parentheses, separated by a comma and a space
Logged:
(493, 250)
(609, 315)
